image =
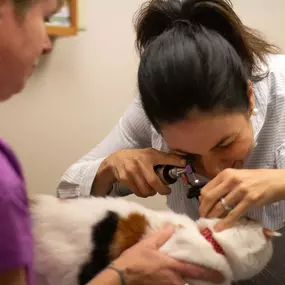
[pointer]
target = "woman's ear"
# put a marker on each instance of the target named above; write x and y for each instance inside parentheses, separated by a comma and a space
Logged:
(250, 95)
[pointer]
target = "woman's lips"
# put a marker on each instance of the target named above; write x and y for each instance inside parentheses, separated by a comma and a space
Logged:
(238, 164)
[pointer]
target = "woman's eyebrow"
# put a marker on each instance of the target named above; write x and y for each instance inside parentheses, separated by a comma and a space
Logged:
(220, 142)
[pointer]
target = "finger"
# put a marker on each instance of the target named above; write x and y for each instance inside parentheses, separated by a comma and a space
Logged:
(232, 199)
(126, 179)
(154, 182)
(172, 278)
(158, 239)
(212, 184)
(193, 271)
(132, 177)
(212, 198)
(165, 158)
(233, 216)
(228, 175)
(144, 188)
(217, 211)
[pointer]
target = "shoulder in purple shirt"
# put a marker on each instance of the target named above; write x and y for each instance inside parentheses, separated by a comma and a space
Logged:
(15, 225)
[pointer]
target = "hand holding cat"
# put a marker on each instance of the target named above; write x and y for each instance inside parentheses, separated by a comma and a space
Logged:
(143, 264)
(242, 190)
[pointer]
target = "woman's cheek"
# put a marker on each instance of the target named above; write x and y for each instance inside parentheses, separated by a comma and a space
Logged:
(208, 166)
(236, 152)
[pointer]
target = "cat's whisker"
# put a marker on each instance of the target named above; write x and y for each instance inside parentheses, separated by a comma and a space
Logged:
(277, 274)
(281, 278)
(266, 277)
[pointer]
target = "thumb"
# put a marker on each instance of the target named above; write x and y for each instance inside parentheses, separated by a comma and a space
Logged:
(159, 238)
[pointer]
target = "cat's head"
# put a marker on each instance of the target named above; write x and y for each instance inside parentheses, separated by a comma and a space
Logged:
(247, 246)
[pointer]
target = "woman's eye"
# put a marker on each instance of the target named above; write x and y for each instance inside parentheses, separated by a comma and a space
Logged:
(224, 145)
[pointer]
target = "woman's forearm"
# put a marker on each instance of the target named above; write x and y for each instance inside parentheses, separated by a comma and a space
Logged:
(106, 277)
(280, 195)
(104, 180)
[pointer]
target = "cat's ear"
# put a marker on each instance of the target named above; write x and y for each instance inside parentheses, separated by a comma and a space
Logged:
(269, 234)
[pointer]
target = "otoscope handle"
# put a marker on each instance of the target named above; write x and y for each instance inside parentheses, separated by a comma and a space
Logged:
(168, 174)
(163, 172)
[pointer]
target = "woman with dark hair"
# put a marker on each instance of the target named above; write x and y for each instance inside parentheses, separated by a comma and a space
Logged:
(23, 39)
(210, 88)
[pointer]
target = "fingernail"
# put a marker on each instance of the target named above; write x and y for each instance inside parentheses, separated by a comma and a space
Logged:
(218, 228)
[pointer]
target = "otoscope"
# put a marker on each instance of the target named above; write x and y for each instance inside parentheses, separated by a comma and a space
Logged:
(169, 174)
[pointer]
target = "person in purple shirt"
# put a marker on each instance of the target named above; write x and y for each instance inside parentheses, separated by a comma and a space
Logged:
(23, 39)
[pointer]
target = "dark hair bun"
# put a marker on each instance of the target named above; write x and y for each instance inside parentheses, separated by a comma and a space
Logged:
(154, 18)
(157, 16)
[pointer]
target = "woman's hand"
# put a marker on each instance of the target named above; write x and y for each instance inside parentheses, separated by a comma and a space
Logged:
(143, 264)
(241, 190)
(134, 168)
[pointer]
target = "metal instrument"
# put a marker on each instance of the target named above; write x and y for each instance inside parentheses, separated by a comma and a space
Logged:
(170, 174)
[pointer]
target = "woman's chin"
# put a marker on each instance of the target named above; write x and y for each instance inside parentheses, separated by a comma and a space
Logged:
(5, 97)
(18, 88)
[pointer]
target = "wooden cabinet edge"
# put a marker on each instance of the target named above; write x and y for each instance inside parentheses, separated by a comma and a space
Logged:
(61, 31)
(67, 31)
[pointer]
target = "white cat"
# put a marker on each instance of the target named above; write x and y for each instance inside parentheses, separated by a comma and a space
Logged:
(76, 239)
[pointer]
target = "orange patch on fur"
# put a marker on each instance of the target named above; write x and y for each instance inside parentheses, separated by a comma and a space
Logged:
(129, 232)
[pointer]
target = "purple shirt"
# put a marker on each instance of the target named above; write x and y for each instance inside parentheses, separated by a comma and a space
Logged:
(15, 225)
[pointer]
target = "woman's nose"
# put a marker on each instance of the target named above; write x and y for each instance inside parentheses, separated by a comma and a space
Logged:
(212, 166)
(47, 48)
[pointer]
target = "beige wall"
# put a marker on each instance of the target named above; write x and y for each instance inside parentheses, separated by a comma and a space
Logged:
(79, 92)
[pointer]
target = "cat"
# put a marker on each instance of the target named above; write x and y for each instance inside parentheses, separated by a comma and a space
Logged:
(75, 239)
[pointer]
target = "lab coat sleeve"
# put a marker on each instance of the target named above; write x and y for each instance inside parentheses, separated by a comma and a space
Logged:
(132, 131)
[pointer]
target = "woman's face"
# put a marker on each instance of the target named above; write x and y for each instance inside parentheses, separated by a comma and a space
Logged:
(218, 141)
(23, 39)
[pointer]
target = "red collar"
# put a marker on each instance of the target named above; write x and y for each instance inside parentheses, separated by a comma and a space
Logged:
(207, 234)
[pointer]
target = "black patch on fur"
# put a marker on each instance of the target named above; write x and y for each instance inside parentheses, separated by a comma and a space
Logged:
(102, 236)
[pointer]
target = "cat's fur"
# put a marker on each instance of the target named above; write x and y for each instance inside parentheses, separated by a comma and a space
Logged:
(75, 239)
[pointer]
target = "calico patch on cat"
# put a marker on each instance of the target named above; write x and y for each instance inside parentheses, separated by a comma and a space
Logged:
(111, 237)
(76, 239)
